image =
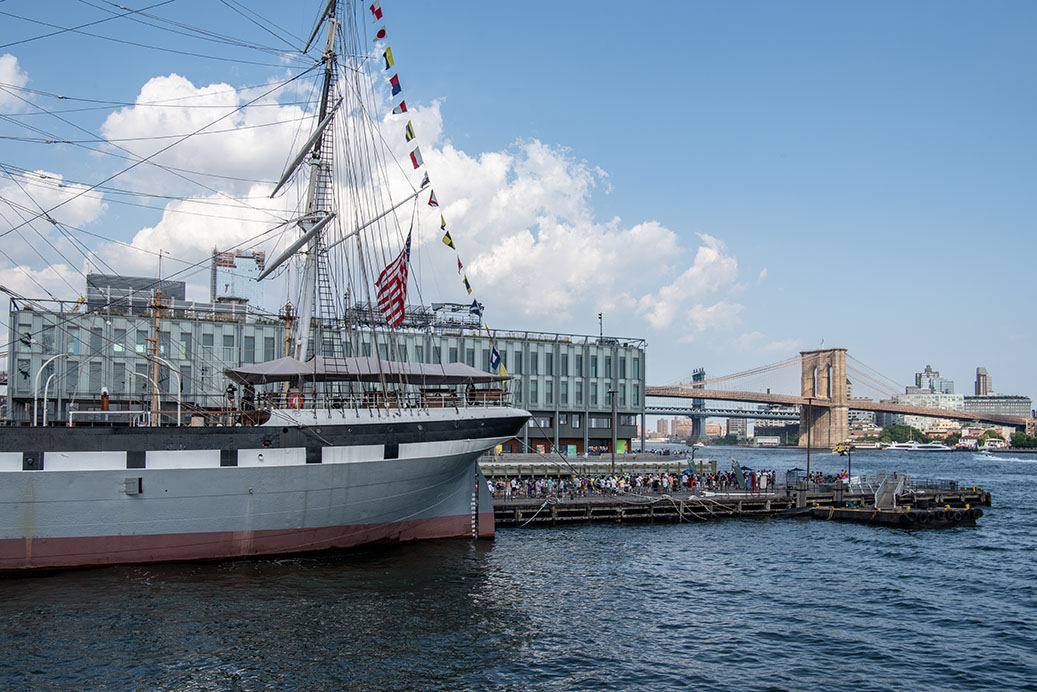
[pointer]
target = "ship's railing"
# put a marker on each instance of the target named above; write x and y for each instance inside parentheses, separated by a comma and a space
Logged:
(429, 398)
(254, 411)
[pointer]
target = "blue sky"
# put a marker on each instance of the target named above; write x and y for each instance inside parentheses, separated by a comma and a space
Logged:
(757, 176)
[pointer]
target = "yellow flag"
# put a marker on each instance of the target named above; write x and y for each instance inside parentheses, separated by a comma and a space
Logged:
(448, 240)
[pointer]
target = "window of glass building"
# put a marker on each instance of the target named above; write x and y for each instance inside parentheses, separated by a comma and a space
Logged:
(622, 366)
(622, 394)
(549, 363)
(453, 354)
(563, 419)
(627, 419)
(533, 363)
(635, 391)
(549, 392)
(563, 392)
(594, 393)
(119, 341)
(186, 346)
(469, 356)
(576, 420)
(269, 348)
(119, 378)
(533, 399)
(608, 366)
(71, 376)
(207, 339)
(637, 368)
(419, 353)
(579, 365)
(141, 343)
(579, 393)
(599, 422)
(564, 364)
(72, 341)
(594, 366)
(96, 337)
(249, 356)
(486, 359)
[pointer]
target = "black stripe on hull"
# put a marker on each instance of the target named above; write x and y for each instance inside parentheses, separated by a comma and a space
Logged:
(139, 440)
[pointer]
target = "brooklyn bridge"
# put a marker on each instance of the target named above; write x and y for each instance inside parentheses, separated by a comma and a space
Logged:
(824, 402)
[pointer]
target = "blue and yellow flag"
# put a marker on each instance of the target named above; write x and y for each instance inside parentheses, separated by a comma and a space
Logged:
(388, 58)
(410, 131)
(447, 240)
(467, 285)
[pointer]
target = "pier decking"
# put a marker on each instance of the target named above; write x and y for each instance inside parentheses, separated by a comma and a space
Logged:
(678, 507)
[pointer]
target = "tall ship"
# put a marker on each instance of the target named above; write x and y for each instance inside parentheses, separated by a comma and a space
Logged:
(326, 447)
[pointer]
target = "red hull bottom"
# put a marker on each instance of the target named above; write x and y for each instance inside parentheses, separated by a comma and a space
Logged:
(51, 553)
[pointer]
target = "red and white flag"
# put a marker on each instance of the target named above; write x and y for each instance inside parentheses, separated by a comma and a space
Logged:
(392, 287)
(376, 10)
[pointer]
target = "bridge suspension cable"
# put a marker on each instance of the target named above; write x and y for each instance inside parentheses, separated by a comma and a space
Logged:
(745, 373)
(893, 387)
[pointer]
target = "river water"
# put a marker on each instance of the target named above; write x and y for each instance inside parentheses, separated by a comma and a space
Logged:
(741, 604)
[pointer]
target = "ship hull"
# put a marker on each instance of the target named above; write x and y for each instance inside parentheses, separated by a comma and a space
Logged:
(91, 496)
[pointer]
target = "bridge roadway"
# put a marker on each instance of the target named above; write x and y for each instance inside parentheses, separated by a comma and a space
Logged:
(720, 413)
(823, 402)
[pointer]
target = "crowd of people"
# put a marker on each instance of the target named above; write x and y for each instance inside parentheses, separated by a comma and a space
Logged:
(636, 483)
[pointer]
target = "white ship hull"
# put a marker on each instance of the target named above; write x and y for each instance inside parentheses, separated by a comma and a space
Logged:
(305, 481)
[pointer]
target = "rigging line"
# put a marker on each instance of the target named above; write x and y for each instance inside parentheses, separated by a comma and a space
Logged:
(195, 32)
(173, 101)
(267, 29)
(47, 240)
(131, 155)
(34, 179)
(66, 317)
(129, 104)
(160, 151)
(154, 138)
(136, 44)
(31, 278)
(75, 28)
(167, 210)
(172, 169)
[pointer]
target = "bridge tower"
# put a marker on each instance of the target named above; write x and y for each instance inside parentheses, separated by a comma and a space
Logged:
(826, 422)
(698, 422)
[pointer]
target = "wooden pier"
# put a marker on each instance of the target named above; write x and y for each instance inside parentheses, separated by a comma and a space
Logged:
(679, 507)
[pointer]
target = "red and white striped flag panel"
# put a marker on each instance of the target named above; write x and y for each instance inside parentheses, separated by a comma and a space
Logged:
(392, 287)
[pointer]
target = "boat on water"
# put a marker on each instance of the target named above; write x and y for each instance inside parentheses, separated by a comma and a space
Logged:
(328, 450)
(919, 446)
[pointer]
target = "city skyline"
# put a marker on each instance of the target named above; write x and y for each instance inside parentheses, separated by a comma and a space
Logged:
(744, 183)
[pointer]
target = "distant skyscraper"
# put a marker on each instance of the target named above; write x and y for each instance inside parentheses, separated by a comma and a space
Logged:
(663, 427)
(930, 380)
(983, 384)
(233, 276)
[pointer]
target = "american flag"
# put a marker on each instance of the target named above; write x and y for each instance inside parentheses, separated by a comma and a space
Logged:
(392, 287)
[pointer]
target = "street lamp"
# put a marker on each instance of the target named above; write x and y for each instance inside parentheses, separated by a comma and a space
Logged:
(46, 397)
(612, 396)
(810, 428)
(36, 389)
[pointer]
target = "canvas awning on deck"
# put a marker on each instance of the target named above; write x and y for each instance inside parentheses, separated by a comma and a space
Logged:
(360, 369)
